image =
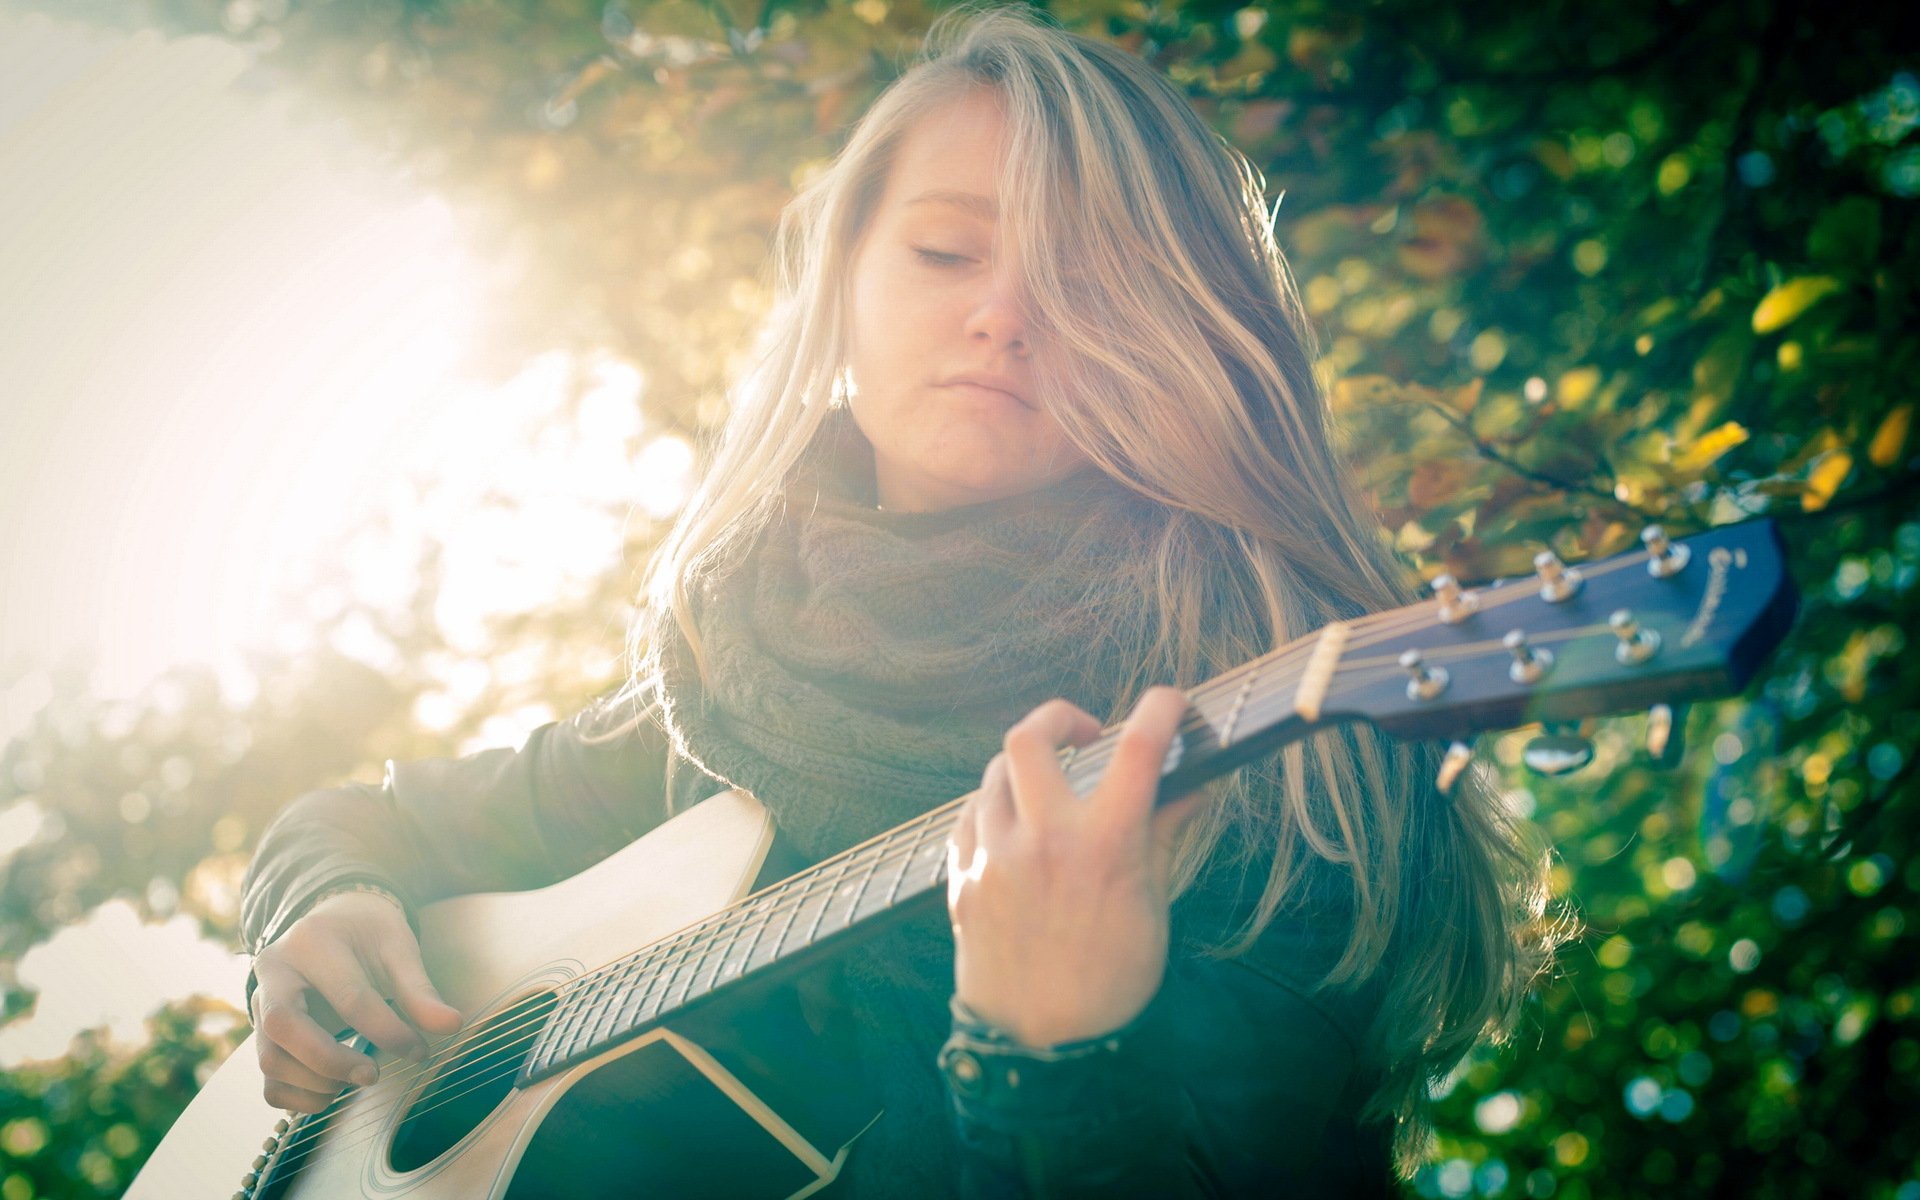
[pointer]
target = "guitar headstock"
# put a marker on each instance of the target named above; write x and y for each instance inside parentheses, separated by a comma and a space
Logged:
(1676, 621)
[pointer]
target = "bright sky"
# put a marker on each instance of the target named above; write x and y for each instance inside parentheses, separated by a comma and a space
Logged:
(226, 329)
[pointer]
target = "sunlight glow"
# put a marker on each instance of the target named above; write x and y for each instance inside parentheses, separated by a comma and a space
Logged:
(112, 970)
(207, 360)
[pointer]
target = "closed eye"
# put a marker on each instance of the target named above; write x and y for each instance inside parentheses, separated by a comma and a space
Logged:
(939, 258)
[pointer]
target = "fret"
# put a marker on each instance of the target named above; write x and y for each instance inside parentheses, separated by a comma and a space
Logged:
(688, 962)
(931, 861)
(671, 962)
(719, 952)
(603, 1005)
(851, 882)
(566, 1023)
(826, 901)
(648, 1001)
(905, 860)
(673, 955)
(592, 1008)
(793, 911)
(670, 954)
(756, 916)
(598, 1009)
(646, 974)
(872, 862)
(619, 985)
(704, 953)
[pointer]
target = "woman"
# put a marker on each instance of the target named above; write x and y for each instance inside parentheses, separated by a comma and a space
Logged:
(1033, 427)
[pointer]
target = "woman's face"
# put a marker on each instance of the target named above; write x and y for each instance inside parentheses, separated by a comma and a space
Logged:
(942, 361)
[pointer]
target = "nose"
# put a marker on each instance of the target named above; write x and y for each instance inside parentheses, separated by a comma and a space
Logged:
(998, 319)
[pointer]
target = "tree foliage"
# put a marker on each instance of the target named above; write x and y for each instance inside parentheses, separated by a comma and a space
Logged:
(1577, 267)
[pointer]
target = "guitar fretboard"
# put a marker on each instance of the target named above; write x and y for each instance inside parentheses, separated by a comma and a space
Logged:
(1467, 675)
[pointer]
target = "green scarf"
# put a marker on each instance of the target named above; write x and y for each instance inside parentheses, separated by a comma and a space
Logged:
(865, 664)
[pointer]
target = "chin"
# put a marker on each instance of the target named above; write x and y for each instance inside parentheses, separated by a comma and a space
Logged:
(991, 481)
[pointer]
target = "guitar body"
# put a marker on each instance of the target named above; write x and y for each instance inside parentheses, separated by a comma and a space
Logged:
(687, 1109)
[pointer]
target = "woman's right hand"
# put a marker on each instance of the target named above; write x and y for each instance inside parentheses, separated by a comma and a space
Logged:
(347, 956)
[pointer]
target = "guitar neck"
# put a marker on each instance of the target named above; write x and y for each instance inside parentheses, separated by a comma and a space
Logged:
(1639, 628)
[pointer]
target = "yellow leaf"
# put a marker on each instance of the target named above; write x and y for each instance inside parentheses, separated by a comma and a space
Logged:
(1891, 437)
(1784, 304)
(1825, 479)
(1710, 445)
(1577, 386)
(1363, 391)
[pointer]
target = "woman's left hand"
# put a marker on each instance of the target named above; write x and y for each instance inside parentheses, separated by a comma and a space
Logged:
(1060, 904)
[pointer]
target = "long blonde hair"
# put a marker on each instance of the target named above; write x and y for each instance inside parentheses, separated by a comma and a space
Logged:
(1177, 357)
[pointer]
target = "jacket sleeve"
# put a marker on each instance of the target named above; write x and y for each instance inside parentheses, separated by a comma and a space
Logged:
(499, 820)
(1237, 1080)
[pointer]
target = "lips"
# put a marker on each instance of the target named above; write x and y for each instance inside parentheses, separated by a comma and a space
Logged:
(987, 383)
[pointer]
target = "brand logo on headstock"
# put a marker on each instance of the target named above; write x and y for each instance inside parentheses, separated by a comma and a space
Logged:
(1720, 561)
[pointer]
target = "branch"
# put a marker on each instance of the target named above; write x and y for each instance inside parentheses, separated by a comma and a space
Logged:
(1493, 454)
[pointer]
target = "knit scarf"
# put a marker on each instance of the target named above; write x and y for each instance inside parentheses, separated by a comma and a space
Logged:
(865, 664)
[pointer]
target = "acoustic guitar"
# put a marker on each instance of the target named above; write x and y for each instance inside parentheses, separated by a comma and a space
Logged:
(640, 1027)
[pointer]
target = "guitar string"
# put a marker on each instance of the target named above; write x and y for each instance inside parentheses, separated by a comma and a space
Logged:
(682, 943)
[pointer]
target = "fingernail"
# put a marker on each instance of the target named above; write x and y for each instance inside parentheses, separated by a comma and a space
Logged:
(365, 1074)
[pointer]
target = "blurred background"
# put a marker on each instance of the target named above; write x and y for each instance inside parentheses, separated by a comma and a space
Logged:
(354, 353)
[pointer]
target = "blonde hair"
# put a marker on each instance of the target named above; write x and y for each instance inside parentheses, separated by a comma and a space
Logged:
(1177, 358)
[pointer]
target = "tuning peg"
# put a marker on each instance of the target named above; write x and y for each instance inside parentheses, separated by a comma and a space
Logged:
(1664, 557)
(1665, 725)
(1557, 750)
(1558, 581)
(1529, 662)
(1451, 765)
(1424, 682)
(1637, 645)
(1456, 605)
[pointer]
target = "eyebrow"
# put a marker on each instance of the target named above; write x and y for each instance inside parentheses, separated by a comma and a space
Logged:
(971, 202)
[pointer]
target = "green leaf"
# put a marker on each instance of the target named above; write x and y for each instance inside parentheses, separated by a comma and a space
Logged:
(1846, 235)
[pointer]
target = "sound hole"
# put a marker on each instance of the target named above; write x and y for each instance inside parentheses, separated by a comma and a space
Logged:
(469, 1085)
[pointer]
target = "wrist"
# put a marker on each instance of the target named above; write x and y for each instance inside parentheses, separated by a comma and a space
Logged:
(353, 887)
(1042, 1017)
(1040, 1039)
(995, 1078)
